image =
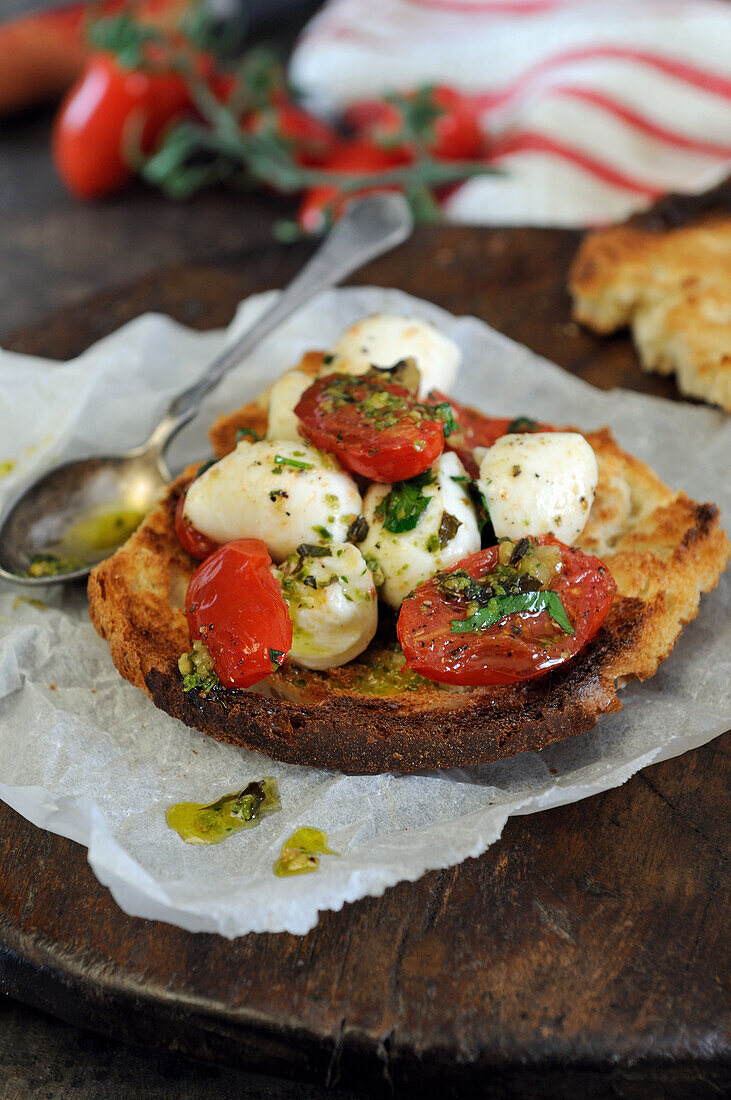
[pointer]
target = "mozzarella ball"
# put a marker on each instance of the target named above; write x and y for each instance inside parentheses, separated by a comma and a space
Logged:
(408, 558)
(539, 483)
(333, 605)
(385, 339)
(283, 396)
(282, 492)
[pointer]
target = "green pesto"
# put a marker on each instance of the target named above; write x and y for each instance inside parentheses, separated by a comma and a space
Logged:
(301, 852)
(210, 823)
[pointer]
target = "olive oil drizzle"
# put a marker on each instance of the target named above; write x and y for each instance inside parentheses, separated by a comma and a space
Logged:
(301, 852)
(101, 530)
(210, 823)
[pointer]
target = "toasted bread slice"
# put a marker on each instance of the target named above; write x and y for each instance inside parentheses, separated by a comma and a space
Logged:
(369, 716)
(672, 287)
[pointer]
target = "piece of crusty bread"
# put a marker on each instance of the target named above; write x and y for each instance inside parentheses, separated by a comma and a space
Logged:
(662, 548)
(673, 288)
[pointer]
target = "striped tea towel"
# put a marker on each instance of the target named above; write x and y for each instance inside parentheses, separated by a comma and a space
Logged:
(594, 108)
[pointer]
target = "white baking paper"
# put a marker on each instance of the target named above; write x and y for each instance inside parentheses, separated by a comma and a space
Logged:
(87, 756)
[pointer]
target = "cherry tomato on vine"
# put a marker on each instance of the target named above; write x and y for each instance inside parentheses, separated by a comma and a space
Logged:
(376, 429)
(193, 541)
(104, 116)
(235, 606)
(474, 429)
(311, 140)
(453, 133)
(500, 646)
(324, 204)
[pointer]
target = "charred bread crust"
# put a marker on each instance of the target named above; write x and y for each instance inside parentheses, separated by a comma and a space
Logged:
(662, 549)
(667, 275)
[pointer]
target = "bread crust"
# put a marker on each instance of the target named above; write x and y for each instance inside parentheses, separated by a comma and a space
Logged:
(672, 287)
(662, 548)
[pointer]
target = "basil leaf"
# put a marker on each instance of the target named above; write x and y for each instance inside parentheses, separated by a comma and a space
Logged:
(402, 508)
(500, 607)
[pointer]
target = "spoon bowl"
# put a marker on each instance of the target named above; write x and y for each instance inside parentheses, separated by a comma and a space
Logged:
(79, 513)
(76, 515)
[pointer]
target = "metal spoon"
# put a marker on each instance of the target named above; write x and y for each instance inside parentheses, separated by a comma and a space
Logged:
(50, 514)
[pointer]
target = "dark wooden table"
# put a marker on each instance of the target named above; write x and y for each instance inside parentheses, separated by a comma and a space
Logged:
(582, 955)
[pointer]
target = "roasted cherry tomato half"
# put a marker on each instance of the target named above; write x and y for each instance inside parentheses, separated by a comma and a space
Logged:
(236, 607)
(376, 429)
(474, 429)
(193, 541)
(551, 582)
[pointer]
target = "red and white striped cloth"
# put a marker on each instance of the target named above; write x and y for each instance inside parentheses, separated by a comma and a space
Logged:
(594, 108)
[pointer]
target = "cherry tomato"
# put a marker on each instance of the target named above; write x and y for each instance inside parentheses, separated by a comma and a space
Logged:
(376, 429)
(193, 541)
(474, 429)
(103, 115)
(311, 139)
(322, 205)
(455, 134)
(519, 646)
(236, 607)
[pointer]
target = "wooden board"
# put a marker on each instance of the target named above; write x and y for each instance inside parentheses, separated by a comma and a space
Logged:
(583, 954)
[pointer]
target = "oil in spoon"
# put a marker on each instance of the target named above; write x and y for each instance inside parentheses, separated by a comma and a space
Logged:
(96, 533)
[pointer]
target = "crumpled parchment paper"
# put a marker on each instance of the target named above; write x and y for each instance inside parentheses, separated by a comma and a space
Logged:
(87, 756)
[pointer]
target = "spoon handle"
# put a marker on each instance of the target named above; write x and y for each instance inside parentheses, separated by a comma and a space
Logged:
(369, 227)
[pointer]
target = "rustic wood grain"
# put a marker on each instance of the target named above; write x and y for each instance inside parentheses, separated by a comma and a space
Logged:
(584, 954)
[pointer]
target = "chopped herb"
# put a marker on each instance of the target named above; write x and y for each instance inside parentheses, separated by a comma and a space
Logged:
(379, 577)
(519, 550)
(279, 461)
(327, 360)
(500, 606)
(311, 550)
(322, 532)
(310, 581)
(247, 433)
(522, 424)
(432, 543)
(448, 528)
(358, 529)
(402, 508)
(274, 493)
(276, 656)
